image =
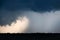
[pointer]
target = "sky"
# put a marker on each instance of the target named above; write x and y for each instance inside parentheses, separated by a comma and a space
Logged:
(42, 15)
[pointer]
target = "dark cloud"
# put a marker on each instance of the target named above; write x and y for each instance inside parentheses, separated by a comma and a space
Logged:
(36, 5)
(7, 17)
(9, 9)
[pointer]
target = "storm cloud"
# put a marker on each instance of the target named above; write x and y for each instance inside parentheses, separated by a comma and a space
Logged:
(42, 14)
(35, 5)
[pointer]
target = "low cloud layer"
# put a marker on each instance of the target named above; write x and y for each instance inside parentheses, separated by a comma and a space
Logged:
(31, 22)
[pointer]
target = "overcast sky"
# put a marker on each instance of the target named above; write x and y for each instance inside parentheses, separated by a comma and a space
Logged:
(43, 15)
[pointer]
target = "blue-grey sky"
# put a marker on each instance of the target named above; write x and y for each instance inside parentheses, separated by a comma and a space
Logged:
(36, 5)
(11, 9)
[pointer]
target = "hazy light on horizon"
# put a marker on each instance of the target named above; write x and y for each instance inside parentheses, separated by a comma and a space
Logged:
(16, 27)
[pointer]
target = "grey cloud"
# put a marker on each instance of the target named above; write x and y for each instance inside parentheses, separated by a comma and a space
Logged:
(46, 22)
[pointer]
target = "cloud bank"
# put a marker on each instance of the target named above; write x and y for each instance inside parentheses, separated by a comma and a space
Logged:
(47, 22)
(19, 26)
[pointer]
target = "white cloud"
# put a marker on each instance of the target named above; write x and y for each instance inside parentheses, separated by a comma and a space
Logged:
(19, 27)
